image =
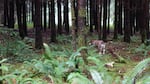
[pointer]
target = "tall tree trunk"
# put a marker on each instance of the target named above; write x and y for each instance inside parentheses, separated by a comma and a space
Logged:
(116, 20)
(66, 16)
(76, 14)
(19, 18)
(91, 15)
(143, 20)
(73, 32)
(33, 10)
(53, 25)
(24, 17)
(95, 15)
(11, 14)
(59, 30)
(120, 30)
(98, 9)
(45, 14)
(49, 14)
(100, 21)
(82, 27)
(105, 20)
(108, 29)
(5, 12)
(138, 15)
(127, 21)
(37, 22)
(147, 22)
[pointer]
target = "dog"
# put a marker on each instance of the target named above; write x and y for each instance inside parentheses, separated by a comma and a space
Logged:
(101, 45)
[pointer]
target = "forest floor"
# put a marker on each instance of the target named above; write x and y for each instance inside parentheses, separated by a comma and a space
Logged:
(125, 56)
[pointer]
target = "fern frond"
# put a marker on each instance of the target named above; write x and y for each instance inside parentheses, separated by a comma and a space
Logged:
(130, 79)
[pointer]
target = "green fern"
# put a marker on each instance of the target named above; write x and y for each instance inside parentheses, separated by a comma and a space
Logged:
(77, 78)
(129, 79)
(143, 49)
(96, 77)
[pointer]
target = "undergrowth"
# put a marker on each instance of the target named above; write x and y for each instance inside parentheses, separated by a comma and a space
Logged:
(59, 64)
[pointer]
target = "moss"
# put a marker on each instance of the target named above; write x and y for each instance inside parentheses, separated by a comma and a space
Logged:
(82, 12)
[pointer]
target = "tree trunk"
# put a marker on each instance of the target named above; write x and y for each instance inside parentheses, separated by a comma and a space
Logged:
(53, 26)
(33, 10)
(98, 9)
(37, 22)
(49, 14)
(82, 27)
(105, 20)
(127, 21)
(147, 22)
(91, 15)
(45, 15)
(11, 19)
(108, 23)
(19, 17)
(24, 17)
(59, 30)
(143, 20)
(5, 12)
(116, 20)
(76, 14)
(73, 32)
(120, 30)
(66, 16)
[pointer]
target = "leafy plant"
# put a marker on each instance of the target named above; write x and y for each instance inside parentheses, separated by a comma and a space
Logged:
(133, 76)
(96, 77)
(143, 49)
(77, 78)
(13, 48)
(18, 76)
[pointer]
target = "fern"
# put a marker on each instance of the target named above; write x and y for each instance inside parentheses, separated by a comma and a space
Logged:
(47, 53)
(129, 79)
(143, 49)
(96, 77)
(77, 78)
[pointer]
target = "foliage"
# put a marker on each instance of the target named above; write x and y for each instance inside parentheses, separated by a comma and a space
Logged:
(63, 39)
(135, 39)
(17, 49)
(77, 78)
(18, 76)
(58, 64)
(96, 77)
(133, 76)
(144, 49)
(13, 47)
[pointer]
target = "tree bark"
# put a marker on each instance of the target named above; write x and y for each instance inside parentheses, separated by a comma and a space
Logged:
(24, 17)
(66, 16)
(59, 30)
(53, 25)
(37, 22)
(108, 23)
(120, 29)
(11, 19)
(5, 12)
(105, 21)
(116, 20)
(127, 21)
(82, 27)
(45, 15)
(19, 17)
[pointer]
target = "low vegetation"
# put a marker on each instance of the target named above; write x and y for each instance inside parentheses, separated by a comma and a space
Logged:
(59, 64)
